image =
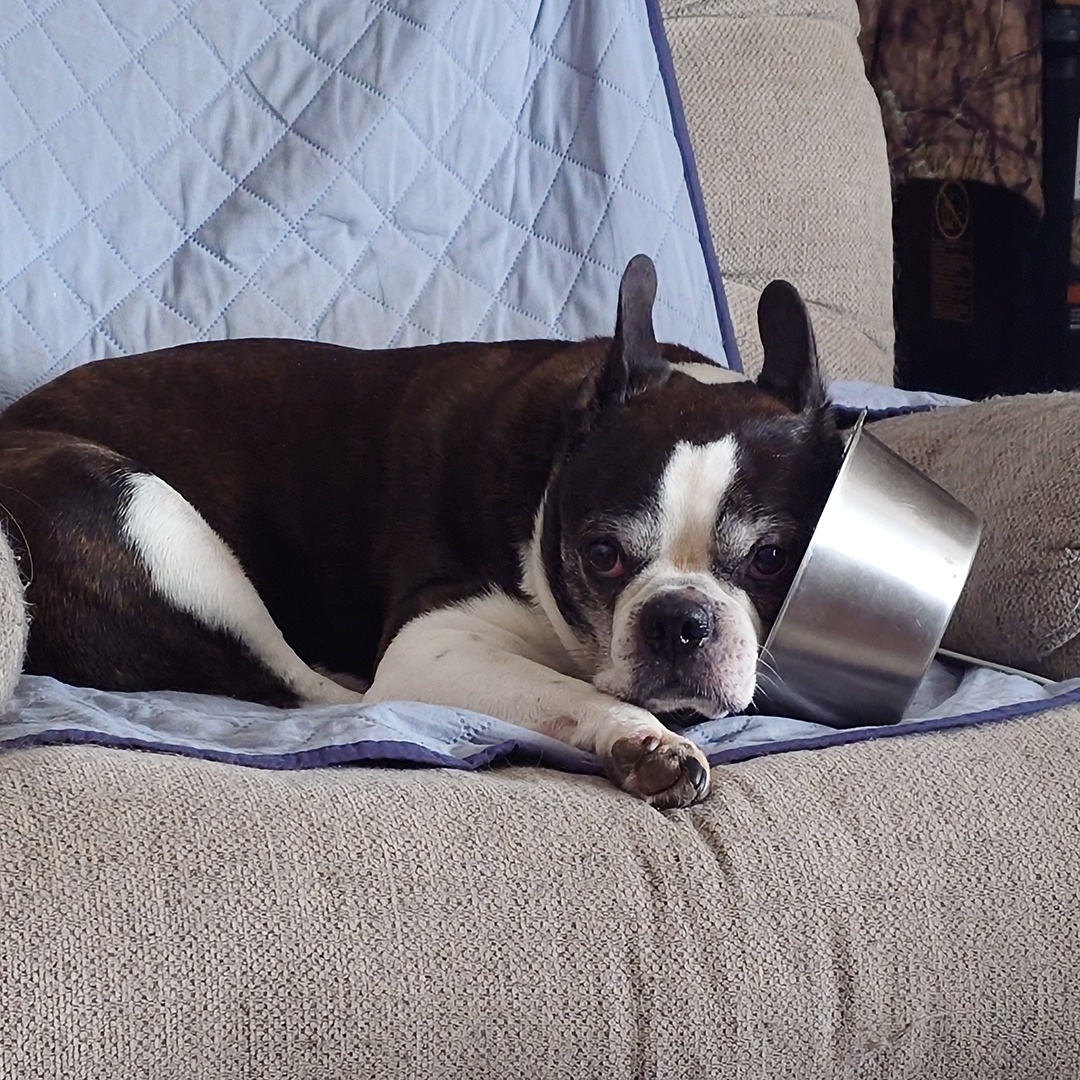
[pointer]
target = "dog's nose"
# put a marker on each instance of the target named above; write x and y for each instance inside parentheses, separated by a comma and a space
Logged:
(675, 625)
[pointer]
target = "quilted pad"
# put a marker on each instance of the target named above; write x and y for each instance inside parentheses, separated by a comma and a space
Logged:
(372, 173)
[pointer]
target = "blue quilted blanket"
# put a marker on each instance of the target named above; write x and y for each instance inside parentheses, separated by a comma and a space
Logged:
(46, 712)
(371, 172)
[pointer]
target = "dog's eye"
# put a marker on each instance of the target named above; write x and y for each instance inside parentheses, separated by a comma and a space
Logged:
(768, 560)
(605, 559)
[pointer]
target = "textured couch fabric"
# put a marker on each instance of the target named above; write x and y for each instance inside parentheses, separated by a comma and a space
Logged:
(882, 911)
(13, 622)
(1021, 604)
(791, 152)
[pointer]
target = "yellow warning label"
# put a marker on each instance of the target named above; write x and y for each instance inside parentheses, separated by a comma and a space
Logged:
(952, 210)
(952, 270)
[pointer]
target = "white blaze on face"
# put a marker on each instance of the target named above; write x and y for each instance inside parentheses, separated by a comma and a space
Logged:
(683, 533)
(695, 481)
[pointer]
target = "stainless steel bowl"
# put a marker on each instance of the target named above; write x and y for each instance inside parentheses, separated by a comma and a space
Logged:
(873, 595)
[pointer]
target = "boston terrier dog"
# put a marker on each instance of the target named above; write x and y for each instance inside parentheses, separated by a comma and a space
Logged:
(581, 538)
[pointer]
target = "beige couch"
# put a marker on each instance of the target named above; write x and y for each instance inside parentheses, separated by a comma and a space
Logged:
(904, 908)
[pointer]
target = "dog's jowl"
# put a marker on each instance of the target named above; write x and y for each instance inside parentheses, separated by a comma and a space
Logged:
(586, 539)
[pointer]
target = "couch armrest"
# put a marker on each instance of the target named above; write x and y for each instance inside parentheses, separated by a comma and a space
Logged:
(13, 619)
(1012, 460)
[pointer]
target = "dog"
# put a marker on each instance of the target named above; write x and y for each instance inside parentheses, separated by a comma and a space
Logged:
(582, 538)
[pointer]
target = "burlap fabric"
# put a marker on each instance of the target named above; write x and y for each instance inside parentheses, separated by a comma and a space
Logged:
(899, 909)
(1013, 461)
(13, 622)
(791, 153)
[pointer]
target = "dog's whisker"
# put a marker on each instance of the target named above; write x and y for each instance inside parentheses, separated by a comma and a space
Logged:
(22, 495)
(766, 661)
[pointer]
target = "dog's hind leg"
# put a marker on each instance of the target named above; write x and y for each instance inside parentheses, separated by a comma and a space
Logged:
(191, 567)
(130, 589)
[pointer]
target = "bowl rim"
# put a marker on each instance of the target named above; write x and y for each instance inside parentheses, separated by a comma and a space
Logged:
(854, 435)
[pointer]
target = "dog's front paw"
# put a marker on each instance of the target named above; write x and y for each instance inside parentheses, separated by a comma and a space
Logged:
(665, 770)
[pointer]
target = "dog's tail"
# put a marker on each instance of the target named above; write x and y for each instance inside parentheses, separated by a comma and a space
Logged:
(14, 621)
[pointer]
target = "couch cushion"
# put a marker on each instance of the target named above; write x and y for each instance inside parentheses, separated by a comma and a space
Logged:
(878, 911)
(791, 155)
(1013, 461)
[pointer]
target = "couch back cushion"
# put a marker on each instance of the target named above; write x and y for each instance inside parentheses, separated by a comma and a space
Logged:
(791, 153)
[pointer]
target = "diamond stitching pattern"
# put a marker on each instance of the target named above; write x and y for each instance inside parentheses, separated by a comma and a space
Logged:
(376, 172)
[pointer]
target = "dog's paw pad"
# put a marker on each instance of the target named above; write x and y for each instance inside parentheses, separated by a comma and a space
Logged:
(665, 770)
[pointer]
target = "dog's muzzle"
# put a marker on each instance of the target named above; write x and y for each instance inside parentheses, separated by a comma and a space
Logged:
(691, 653)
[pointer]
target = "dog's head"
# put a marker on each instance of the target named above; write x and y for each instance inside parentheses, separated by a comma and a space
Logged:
(674, 523)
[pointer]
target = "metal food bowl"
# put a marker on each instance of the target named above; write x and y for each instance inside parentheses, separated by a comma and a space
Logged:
(873, 595)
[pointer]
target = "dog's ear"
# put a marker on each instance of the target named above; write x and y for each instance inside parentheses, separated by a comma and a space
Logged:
(633, 363)
(791, 371)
